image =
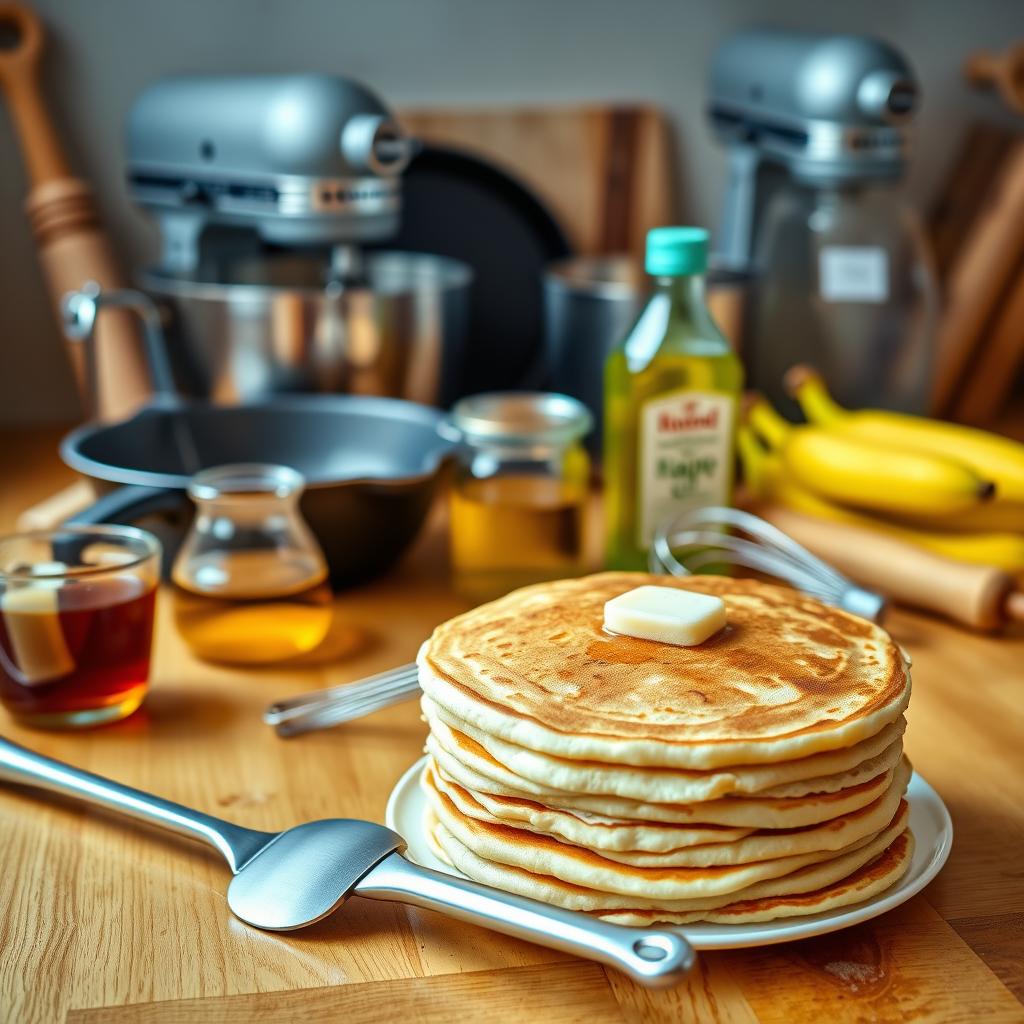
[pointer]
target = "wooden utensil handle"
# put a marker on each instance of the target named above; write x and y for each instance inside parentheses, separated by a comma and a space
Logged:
(974, 595)
(73, 250)
(19, 78)
(58, 508)
(1003, 71)
(72, 246)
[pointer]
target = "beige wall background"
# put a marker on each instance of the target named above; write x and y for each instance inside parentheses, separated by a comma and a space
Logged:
(432, 51)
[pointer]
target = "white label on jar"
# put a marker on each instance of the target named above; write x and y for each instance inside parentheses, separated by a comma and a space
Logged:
(853, 273)
(685, 456)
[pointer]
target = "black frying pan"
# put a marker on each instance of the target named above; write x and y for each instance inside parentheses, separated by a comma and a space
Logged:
(371, 466)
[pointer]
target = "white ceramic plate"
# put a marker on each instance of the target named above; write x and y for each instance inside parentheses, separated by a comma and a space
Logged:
(929, 820)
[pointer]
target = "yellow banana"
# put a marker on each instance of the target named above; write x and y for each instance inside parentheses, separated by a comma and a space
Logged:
(766, 422)
(992, 457)
(845, 468)
(768, 480)
(756, 461)
(1003, 550)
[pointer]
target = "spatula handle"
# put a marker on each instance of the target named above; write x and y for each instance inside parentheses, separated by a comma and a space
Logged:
(26, 767)
(653, 957)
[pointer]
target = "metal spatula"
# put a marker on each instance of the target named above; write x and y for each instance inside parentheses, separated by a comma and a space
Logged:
(286, 880)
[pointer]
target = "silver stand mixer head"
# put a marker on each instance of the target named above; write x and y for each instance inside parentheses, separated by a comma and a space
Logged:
(301, 160)
(826, 110)
(266, 189)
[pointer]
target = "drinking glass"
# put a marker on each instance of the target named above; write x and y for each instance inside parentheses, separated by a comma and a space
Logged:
(76, 623)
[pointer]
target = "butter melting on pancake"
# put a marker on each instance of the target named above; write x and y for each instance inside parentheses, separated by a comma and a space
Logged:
(787, 677)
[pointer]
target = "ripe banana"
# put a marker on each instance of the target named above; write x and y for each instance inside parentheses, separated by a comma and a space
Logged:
(768, 480)
(992, 457)
(844, 468)
(841, 467)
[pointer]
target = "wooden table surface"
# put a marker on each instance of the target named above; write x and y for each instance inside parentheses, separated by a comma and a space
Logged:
(103, 921)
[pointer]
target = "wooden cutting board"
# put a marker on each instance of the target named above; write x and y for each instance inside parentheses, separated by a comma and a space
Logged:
(604, 172)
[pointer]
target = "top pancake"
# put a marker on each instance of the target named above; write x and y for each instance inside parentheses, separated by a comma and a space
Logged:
(788, 676)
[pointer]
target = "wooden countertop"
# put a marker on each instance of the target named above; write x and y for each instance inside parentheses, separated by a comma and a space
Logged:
(107, 922)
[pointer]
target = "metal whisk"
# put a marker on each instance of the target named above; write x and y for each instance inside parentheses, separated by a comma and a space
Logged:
(713, 535)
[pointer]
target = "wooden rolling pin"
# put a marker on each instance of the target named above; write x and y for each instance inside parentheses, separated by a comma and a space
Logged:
(72, 247)
(1001, 71)
(979, 596)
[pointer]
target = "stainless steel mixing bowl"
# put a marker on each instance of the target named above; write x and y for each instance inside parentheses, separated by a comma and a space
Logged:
(266, 324)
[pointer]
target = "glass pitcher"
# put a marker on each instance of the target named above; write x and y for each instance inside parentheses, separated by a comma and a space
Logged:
(844, 282)
(250, 579)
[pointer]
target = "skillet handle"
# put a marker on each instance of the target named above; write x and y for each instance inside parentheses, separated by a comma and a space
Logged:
(657, 957)
(126, 504)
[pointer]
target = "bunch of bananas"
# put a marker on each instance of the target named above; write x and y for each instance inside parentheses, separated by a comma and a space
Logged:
(945, 487)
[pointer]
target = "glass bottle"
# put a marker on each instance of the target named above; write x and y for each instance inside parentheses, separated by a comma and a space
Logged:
(518, 501)
(672, 388)
(250, 579)
(843, 281)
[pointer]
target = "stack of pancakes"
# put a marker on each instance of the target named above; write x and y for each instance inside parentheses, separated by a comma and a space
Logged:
(757, 775)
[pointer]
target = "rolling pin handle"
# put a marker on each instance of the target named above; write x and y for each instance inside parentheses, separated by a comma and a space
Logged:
(19, 76)
(1014, 606)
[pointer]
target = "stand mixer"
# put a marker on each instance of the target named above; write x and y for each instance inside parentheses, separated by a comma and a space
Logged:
(266, 188)
(815, 131)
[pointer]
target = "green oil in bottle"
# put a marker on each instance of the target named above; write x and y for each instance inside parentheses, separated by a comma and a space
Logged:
(672, 389)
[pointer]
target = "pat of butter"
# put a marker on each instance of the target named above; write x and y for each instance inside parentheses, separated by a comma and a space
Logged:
(666, 614)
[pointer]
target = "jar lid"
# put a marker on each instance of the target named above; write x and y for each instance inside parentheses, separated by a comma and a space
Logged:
(521, 417)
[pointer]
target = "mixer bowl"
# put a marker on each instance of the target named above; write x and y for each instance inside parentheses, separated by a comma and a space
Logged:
(259, 325)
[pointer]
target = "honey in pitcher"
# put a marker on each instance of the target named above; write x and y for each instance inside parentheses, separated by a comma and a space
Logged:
(250, 581)
(273, 611)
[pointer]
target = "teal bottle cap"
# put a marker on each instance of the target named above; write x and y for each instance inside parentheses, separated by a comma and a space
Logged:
(672, 252)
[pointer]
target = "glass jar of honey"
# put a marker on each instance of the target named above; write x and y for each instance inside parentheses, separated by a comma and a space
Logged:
(519, 498)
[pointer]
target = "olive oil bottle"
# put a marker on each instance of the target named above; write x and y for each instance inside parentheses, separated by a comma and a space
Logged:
(672, 389)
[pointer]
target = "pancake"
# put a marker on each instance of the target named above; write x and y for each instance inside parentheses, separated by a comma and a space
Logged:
(503, 844)
(576, 897)
(467, 763)
(832, 835)
(787, 678)
(870, 880)
(818, 773)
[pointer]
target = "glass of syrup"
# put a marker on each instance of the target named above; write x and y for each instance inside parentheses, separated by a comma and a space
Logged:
(76, 623)
(250, 580)
(519, 497)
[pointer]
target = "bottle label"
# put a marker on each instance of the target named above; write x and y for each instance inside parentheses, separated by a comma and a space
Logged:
(685, 456)
(853, 273)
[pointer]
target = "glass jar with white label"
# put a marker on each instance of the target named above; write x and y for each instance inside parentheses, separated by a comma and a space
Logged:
(843, 281)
